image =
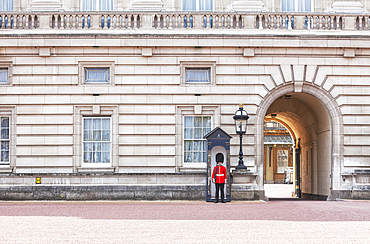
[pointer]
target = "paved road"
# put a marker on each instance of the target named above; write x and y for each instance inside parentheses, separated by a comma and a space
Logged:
(185, 222)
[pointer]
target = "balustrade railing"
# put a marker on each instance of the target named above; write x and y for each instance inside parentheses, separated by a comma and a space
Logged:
(184, 20)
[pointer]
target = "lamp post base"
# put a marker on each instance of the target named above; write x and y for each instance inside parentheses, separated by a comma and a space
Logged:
(241, 166)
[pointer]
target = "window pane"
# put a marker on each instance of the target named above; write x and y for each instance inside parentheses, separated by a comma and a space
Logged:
(105, 124)
(188, 133)
(205, 5)
(87, 157)
(4, 76)
(4, 156)
(197, 75)
(97, 135)
(106, 147)
(96, 157)
(99, 75)
(88, 5)
(105, 157)
(6, 5)
(88, 146)
(105, 135)
(97, 124)
(97, 147)
(5, 133)
(87, 135)
(188, 157)
(88, 124)
(188, 146)
(198, 133)
(105, 5)
(189, 5)
(198, 146)
(198, 122)
(198, 157)
(188, 121)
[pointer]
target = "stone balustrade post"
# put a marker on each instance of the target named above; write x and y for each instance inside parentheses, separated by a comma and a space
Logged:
(349, 22)
(249, 21)
(95, 21)
(299, 23)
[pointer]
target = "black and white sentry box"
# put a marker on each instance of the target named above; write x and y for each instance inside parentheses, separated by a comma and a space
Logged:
(218, 141)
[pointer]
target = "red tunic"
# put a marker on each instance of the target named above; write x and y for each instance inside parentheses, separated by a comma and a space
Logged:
(221, 175)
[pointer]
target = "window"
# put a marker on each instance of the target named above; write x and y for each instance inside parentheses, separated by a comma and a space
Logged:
(5, 140)
(197, 75)
(6, 5)
(282, 160)
(97, 5)
(197, 5)
(195, 147)
(97, 140)
(4, 76)
(296, 5)
(97, 75)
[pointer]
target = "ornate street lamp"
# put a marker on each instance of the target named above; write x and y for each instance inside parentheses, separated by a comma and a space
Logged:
(240, 118)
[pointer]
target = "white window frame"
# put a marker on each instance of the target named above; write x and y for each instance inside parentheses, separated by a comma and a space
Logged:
(97, 7)
(92, 164)
(201, 139)
(95, 111)
(5, 140)
(192, 110)
(9, 111)
(9, 67)
(296, 6)
(83, 65)
(90, 69)
(197, 6)
(211, 65)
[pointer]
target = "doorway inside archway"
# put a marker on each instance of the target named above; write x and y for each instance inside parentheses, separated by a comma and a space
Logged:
(308, 155)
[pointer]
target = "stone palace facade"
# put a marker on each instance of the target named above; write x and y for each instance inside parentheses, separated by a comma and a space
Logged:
(111, 99)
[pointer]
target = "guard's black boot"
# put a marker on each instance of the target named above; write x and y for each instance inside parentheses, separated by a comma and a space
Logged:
(223, 201)
(216, 201)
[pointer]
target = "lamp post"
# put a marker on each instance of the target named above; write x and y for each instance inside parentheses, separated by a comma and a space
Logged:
(240, 118)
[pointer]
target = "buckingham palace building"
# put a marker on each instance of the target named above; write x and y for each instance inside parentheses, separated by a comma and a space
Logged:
(118, 99)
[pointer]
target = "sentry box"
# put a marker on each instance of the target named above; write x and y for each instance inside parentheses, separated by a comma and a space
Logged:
(218, 141)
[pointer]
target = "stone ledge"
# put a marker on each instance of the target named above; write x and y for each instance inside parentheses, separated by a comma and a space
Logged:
(83, 193)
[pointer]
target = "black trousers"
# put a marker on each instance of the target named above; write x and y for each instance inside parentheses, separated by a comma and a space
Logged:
(220, 187)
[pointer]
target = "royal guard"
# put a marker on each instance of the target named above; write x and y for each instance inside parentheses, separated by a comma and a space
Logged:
(219, 177)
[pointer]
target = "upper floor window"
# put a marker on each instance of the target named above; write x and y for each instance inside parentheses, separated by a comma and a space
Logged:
(197, 5)
(97, 141)
(195, 146)
(5, 140)
(202, 75)
(97, 5)
(97, 75)
(296, 5)
(6, 5)
(4, 76)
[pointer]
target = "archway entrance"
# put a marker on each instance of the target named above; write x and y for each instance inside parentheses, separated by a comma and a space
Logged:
(310, 123)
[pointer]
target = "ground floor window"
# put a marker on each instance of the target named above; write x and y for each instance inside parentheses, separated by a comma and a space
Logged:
(195, 128)
(97, 140)
(5, 140)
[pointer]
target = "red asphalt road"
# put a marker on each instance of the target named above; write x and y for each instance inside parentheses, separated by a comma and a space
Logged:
(183, 210)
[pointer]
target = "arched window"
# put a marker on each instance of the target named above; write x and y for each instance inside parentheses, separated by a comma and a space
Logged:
(197, 5)
(6, 5)
(296, 5)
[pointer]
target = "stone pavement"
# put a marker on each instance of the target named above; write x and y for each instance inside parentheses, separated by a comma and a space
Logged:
(185, 222)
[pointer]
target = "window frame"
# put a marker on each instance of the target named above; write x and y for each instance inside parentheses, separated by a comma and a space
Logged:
(83, 65)
(211, 65)
(92, 164)
(97, 7)
(9, 111)
(9, 67)
(197, 7)
(86, 71)
(201, 139)
(12, 8)
(200, 82)
(8, 140)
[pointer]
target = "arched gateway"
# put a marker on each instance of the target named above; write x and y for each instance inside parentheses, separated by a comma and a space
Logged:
(315, 118)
